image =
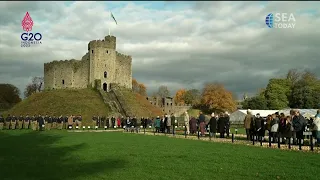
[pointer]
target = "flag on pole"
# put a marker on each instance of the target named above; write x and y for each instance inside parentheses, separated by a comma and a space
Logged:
(114, 18)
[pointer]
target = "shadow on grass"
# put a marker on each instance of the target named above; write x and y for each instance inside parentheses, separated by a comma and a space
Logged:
(30, 156)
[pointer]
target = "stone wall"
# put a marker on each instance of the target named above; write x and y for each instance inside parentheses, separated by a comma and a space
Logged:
(66, 74)
(123, 70)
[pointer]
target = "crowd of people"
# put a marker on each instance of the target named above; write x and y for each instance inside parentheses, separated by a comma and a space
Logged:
(278, 126)
(39, 122)
(286, 129)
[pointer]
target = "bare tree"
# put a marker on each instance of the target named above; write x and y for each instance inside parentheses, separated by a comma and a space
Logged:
(34, 87)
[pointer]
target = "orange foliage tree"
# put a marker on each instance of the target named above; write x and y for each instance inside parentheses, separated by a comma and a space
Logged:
(215, 96)
(139, 88)
(179, 97)
(142, 89)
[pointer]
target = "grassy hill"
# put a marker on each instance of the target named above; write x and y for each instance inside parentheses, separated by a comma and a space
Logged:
(86, 102)
(137, 105)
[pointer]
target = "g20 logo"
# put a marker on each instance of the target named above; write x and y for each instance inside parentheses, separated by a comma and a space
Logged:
(31, 37)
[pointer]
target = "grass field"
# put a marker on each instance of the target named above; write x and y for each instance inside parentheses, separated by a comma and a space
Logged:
(59, 155)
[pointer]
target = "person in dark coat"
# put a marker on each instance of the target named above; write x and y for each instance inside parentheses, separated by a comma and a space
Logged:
(113, 121)
(162, 125)
(259, 124)
(227, 119)
(202, 120)
(1, 122)
(102, 122)
(298, 123)
(40, 122)
(213, 125)
(193, 125)
(221, 125)
(287, 129)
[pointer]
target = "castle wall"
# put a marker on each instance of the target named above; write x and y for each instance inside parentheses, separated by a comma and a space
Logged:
(66, 74)
(124, 70)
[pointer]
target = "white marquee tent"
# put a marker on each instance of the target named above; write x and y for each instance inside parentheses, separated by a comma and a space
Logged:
(239, 115)
(304, 112)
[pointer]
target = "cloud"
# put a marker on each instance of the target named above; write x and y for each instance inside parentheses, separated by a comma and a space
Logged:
(178, 44)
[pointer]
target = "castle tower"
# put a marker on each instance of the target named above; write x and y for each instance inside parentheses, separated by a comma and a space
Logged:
(102, 55)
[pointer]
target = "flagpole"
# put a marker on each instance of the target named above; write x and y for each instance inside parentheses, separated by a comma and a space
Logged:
(109, 23)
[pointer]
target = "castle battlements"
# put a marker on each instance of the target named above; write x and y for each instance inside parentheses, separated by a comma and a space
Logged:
(109, 42)
(123, 55)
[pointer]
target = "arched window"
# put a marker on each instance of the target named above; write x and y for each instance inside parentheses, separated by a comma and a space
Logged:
(62, 81)
(105, 74)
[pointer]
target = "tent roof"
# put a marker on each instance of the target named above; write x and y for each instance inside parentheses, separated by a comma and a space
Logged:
(263, 113)
(302, 111)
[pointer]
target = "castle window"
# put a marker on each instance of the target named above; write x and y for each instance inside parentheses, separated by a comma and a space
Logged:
(92, 51)
(107, 51)
(105, 74)
(171, 104)
(167, 104)
(62, 81)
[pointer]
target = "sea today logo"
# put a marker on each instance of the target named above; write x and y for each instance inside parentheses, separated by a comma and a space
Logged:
(281, 20)
(28, 38)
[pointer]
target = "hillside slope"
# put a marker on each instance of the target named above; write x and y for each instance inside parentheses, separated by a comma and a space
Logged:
(136, 105)
(86, 102)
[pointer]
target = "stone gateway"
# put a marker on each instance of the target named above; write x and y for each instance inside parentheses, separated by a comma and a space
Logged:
(100, 67)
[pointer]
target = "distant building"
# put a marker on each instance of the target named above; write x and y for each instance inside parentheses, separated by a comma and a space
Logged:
(168, 105)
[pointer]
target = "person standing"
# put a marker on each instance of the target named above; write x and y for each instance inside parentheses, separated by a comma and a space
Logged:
(227, 119)
(157, 124)
(193, 125)
(79, 121)
(26, 122)
(221, 125)
(40, 122)
(298, 123)
(213, 125)
(118, 122)
(70, 122)
(168, 123)
(102, 122)
(317, 126)
(8, 121)
(49, 123)
(13, 122)
(1, 122)
(247, 123)
(259, 123)
(202, 120)
(186, 122)
(34, 122)
(113, 121)
(54, 122)
(20, 122)
(60, 122)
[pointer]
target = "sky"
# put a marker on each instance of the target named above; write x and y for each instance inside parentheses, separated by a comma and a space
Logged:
(176, 44)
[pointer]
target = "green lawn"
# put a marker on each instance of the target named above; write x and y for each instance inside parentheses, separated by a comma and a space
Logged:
(59, 155)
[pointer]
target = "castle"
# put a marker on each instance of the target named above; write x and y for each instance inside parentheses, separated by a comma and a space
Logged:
(100, 67)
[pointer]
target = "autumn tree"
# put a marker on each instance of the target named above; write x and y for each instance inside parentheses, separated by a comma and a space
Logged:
(135, 85)
(163, 91)
(33, 87)
(179, 97)
(216, 97)
(139, 88)
(142, 89)
(192, 96)
(9, 96)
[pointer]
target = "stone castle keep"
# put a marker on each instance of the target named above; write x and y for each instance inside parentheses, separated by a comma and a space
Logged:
(100, 67)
